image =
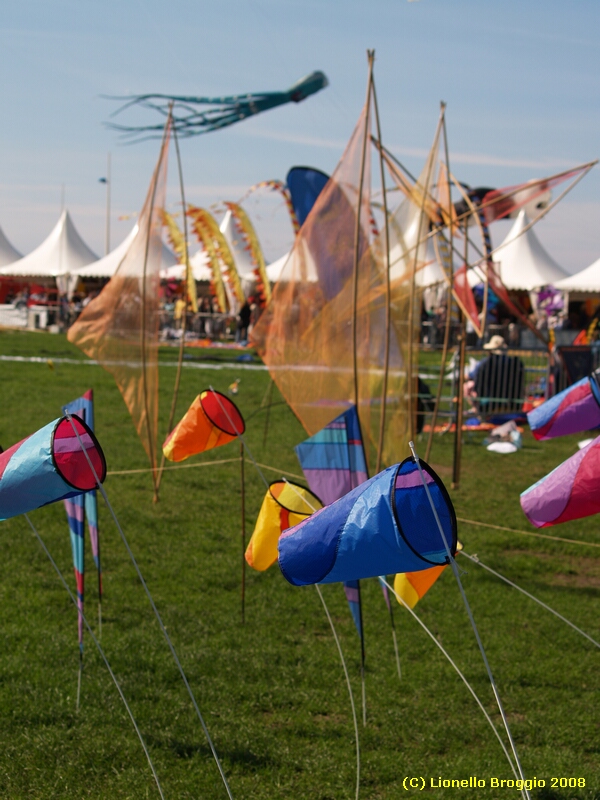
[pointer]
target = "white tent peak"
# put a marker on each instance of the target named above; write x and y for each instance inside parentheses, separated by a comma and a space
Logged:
(107, 266)
(62, 252)
(524, 263)
(8, 253)
(586, 280)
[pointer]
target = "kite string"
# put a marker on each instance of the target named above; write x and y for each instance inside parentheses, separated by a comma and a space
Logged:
(154, 608)
(455, 666)
(335, 636)
(476, 560)
(349, 685)
(455, 570)
(100, 650)
(527, 533)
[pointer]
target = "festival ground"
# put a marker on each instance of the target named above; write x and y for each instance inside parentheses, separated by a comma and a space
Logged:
(272, 690)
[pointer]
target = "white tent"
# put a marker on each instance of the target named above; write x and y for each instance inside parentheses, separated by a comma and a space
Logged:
(8, 253)
(587, 280)
(199, 264)
(524, 263)
(107, 266)
(62, 252)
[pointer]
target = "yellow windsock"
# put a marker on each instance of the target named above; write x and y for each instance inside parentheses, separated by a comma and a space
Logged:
(285, 505)
(211, 421)
(412, 586)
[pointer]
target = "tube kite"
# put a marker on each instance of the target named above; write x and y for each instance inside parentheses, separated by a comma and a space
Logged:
(573, 410)
(49, 465)
(285, 505)
(384, 525)
(568, 492)
(211, 421)
(190, 120)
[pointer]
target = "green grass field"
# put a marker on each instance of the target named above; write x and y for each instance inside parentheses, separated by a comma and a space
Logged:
(272, 690)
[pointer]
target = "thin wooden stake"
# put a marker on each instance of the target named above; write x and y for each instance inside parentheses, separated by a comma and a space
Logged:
(243, 485)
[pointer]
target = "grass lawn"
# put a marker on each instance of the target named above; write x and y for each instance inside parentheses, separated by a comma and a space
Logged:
(272, 690)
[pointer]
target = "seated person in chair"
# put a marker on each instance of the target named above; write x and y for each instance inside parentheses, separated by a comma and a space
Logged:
(496, 385)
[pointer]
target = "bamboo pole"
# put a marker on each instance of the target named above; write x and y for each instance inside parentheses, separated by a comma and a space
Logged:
(151, 444)
(410, 379)
(459, 392)
(243, 505)
(386, 360)
(184, 321)
(357, 231)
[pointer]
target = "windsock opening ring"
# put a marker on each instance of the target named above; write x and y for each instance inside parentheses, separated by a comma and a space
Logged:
(410, 522)
(297, 498)
(69, 458)
(222, 412)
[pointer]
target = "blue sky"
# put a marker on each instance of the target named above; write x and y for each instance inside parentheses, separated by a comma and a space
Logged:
(521, 80)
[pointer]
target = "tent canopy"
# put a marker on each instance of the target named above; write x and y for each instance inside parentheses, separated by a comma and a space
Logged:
(587, 280)
(62, 252)
(8, 254)
(107, 266)
(523, 261)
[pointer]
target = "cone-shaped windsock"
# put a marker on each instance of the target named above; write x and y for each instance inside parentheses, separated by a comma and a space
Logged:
(573, 410)
(570, 491)
(211, 420)
(49, 465)
(384, 525)
(285, 505)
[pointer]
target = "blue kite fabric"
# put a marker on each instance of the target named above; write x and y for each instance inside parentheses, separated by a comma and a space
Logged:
(333, 460)
(79, 508)
(49, 465)
(383, 526)
(305, 185)
(574, 410)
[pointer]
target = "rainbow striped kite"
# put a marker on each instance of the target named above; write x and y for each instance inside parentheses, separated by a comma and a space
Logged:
(79, 508)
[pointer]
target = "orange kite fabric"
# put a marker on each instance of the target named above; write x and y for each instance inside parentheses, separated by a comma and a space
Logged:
(211, 421)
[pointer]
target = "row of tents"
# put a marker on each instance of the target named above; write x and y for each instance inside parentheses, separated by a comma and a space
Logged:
(63, 256)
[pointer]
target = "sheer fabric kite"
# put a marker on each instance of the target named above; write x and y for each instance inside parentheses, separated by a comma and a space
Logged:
(119, 328)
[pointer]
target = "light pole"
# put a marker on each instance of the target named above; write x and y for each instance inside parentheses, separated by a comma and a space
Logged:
(107, 182)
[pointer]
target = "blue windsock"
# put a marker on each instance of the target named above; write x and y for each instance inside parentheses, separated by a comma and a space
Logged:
(49, 465)
(383, 526)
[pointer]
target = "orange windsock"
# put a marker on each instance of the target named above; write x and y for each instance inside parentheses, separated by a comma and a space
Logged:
(211, 421)
(285, 505)
(412, 586)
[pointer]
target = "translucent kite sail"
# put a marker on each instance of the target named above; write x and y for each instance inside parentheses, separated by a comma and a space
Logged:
(79, 508)
(119, 328)
(211, 421)
(573, 410)
(49, 465)
(568, 492)
(285, 504)
(384, 525)
(306, 335)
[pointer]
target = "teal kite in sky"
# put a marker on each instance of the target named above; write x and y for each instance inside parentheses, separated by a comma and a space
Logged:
(191, 119)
